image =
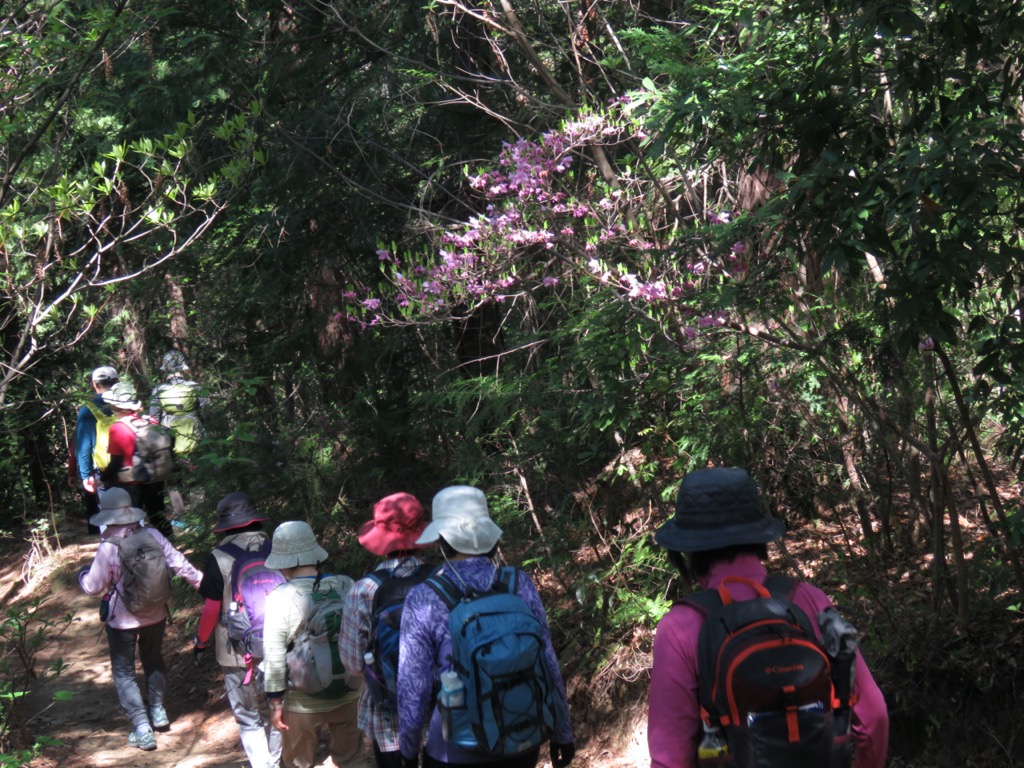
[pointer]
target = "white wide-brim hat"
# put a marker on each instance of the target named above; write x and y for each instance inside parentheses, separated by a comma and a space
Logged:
(294, 544)
(460, 516)
(116, 509)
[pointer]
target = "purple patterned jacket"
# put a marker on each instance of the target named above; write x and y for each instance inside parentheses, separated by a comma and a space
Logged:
(425, 650)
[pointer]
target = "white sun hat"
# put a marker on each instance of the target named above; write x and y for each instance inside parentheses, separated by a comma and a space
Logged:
(460, 516)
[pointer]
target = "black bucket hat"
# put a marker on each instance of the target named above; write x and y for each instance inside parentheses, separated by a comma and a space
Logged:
(236, 510)
(717, 508)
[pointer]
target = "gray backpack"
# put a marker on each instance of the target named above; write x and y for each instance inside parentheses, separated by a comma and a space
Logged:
(153, 459)
(145, 577)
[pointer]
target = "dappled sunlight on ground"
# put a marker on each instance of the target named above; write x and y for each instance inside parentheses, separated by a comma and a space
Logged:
(91, 726)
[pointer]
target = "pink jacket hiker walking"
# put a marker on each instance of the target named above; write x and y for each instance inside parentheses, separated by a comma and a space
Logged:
(105, 572)
(674, 709)
(127, 631)
(723, 529)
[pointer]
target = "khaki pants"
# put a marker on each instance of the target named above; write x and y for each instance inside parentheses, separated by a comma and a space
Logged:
(302, 736)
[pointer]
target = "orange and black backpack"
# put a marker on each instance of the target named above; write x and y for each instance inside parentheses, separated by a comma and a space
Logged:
(766, 682)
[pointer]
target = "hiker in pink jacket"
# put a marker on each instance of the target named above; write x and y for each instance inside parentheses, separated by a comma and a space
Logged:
(723, 529)
(125, 629)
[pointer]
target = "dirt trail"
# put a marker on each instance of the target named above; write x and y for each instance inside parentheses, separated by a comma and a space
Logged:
(203, 733)
(91, 724)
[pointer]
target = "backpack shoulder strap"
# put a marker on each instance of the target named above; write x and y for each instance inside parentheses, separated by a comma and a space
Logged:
(117, 541)
(232, 549)
(703, 602)
(445, 588)
(507, 579)
(424, 570)
(782, 586)
(379, 578)
(95, 410)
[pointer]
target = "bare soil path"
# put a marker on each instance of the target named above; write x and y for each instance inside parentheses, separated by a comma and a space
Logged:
(91, 726)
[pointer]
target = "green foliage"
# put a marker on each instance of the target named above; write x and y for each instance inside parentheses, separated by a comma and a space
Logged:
(24, 632)
(781, 204)
(16, 758)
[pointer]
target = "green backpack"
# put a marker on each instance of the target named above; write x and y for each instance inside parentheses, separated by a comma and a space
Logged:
(153, 458)
(179, 398)
(180, 404)
(145, 577)
(185, 427)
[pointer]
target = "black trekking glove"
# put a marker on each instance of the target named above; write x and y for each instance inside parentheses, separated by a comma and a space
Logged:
(562, 754)
(197, 649)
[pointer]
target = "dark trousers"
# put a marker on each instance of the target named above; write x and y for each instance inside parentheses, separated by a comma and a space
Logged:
(122, 666)
(526, 760)
(149, 497)
(386, 759)
(90, 506)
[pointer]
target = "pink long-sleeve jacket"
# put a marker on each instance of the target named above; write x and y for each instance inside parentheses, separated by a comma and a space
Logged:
(105, 571)
(673, 726)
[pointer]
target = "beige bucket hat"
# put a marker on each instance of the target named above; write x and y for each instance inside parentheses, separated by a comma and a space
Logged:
(116, 509)
(122, 396)
(294, 544)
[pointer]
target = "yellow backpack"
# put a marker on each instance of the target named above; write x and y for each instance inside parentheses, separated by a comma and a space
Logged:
(101, 451)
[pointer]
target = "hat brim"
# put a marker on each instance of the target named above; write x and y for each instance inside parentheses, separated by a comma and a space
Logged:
(485, 535)
(380, 541)
(117, 516)
(312, 556)
(673, 537)
(132, 406)
(230, 526)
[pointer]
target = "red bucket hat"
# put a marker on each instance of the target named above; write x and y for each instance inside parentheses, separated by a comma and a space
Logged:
(398, 520)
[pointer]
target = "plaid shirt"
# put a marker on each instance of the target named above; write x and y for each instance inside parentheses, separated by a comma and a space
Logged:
(354, 641)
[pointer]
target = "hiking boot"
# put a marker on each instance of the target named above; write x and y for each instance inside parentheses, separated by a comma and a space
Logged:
(158, 718)
(143, 738)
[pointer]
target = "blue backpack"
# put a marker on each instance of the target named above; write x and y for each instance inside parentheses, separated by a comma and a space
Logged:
(385, 622)
(510, 702)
